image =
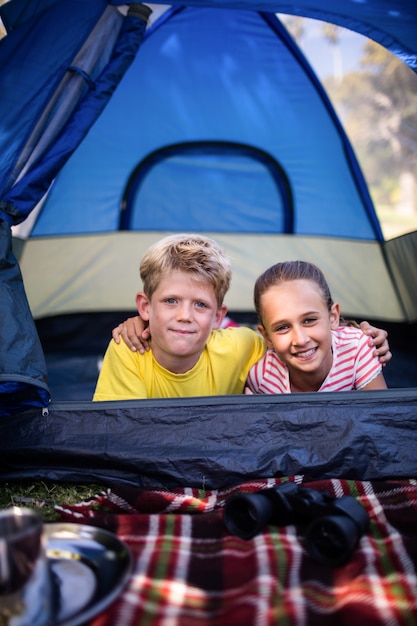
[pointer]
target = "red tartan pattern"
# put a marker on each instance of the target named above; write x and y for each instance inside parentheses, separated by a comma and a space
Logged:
(189, 571)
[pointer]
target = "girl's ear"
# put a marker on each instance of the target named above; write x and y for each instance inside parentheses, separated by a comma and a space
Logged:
(265, 335)
(143, 304)
(220, 315)
(334, 316)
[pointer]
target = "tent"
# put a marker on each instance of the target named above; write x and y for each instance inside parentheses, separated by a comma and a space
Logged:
(216, 111)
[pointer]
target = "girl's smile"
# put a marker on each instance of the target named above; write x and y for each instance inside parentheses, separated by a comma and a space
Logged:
(306, 355)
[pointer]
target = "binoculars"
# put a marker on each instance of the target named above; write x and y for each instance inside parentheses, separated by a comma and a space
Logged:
(334, 525)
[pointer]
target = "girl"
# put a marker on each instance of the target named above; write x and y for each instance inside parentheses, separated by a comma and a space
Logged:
(307, 350)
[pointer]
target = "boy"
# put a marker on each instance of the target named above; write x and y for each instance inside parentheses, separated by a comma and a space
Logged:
(185, 279)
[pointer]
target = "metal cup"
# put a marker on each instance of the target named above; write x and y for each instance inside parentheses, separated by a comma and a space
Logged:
(25, 583)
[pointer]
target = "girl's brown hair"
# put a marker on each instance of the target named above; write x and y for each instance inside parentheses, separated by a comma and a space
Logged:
(286, 271)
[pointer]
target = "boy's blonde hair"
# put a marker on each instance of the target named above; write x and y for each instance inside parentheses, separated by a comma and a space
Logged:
(197, 255)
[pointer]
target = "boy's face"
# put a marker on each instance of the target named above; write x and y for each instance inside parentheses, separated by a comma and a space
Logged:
(297, 325)
(181, 314)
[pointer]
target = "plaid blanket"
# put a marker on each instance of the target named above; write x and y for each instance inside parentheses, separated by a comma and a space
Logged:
(189, 571)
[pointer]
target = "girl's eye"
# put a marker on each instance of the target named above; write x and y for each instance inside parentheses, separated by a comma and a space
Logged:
(310, 320)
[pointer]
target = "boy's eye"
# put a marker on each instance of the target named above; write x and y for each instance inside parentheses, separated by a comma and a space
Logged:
(170, 300)
(282, 328)
(201, 305)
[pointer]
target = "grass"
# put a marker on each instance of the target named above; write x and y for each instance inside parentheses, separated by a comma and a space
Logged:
(43, 496)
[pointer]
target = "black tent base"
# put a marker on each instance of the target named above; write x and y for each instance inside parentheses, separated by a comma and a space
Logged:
(215, 442)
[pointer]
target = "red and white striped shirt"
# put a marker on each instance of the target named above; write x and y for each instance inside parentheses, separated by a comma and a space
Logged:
(353, 366)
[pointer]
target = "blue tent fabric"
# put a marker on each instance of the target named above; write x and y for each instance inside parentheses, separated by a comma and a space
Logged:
(222, 159)
(37, 61)
(15, 14)
(263, 95)
(23, 195)
(43, 50)
(392, 23)
(23, 379)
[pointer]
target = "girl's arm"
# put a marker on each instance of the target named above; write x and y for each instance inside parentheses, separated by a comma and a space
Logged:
(135, 334)
(376, 383)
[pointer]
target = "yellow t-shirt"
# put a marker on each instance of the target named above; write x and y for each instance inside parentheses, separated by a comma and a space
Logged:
(221, 369)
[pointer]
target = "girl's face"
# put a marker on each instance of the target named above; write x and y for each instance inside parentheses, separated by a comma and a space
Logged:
(297, 325)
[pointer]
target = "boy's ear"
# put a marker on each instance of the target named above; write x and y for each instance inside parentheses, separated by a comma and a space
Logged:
(142, 304)
(334, 316)
(264, 334)
(220, 315)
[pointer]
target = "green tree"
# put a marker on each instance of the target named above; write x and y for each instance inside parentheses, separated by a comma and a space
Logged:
(378, 106)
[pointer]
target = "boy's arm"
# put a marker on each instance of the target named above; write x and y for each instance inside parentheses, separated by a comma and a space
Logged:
(135, 334)
(378, 338)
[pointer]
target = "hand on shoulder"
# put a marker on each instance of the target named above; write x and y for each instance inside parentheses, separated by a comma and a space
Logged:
(378, 338)
(135, 334)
